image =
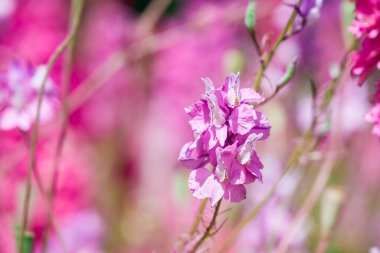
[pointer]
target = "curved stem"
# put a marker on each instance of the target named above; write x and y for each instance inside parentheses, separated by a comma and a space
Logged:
(207, 232)
(289, 25)
(301, 149)
(311, 200)
(198, 217)
(33, 143)
(66, 79)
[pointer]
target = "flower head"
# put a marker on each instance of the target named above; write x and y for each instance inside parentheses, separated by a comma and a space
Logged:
(19, 92)
(226, 128)
(366, 26)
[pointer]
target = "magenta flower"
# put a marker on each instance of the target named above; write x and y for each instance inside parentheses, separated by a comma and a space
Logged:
(19, 95)
(366, 26)
(226, 127)
(373, 116)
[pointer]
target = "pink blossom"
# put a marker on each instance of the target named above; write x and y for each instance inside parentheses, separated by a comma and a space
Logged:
(19, 96)
(366, 26)
(226, 127)
(373, 116)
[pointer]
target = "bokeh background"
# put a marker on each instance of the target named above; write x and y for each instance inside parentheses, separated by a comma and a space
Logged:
(121, 188)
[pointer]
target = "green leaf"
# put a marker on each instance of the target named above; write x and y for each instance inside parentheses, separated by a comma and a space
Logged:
(348, 15)
(250, 15)
(313, 87)
(289, 74)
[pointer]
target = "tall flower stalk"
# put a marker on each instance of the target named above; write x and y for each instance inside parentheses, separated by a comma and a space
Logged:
(75, 17)
(34, 139)
(307, 144)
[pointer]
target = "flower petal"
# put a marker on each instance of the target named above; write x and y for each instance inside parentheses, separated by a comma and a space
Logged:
(199, 114)
(248, 95)
(192, 155)
(233, 89)
(248, 147)
(217, 115)
(242, 119)
(234, 193)
(238, 175)
(255, 166)
(209, 86)
(203, 184)
(221, 134)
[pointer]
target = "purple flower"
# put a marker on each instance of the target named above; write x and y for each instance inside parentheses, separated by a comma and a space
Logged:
(19, 91)
(366, 26)
(226, 128)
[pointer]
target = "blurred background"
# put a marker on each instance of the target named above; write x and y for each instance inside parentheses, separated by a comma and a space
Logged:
(137, 64)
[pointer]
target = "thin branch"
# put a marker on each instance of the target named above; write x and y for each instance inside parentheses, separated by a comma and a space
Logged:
(76, 11)
(207, 232)
(307, 144)
(33, 143)
(311, 200)
(152, 14)
(198, 217)
(289, 25)
(143, 46)
(303, 147)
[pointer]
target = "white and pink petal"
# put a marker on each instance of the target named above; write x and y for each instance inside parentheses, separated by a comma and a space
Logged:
(203, 184)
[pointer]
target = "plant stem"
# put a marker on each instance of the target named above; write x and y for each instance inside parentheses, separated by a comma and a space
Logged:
(75, 13)
(144, 46)
(198, 217)
(33, 143)
(207, 232)
(301, 149)
(310, 202)
(289, 25)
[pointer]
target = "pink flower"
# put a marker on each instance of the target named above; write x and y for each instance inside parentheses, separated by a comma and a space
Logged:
(366, 26)
(373, 116)
(19, 96)
(226, 127)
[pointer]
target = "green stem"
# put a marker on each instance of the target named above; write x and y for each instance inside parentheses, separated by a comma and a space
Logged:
(289, 25)
(207, 232)
(198, 217)
(301, 149)
(28, 241)
(76, 9)
(304, 147)
(33, 143)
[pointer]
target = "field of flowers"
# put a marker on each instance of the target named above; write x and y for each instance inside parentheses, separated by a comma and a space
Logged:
(227, 126)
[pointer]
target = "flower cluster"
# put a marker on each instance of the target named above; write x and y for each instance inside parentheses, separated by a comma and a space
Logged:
(226, 127)
(19, 89)
(366, 26)
(373, 116)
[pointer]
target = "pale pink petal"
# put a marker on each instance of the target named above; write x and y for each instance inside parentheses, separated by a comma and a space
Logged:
(199, 114)
(254, 166)
(247, 148)
(248, 95)
(234, 193)
(209, 86)
(209, 139)
(217, 116)
(242, 119)
(203, 184)
(238, 174)
(233, 89)
(192, 155)
(221, 134)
